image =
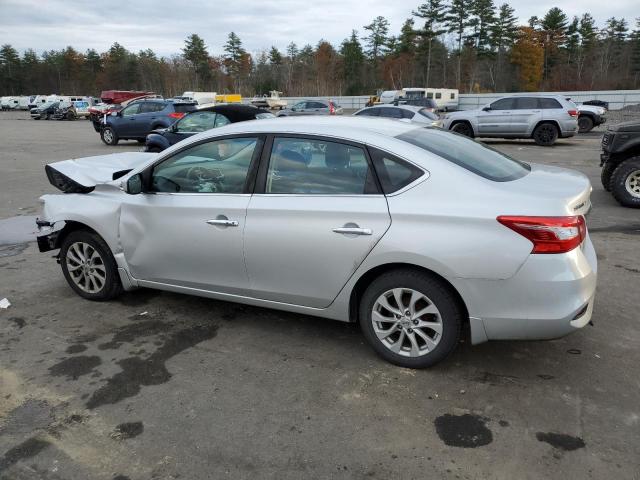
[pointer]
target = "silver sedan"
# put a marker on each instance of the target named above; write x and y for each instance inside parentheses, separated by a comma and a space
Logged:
(413, 232)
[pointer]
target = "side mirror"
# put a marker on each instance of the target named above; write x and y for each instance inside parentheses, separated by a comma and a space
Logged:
(486, 108)
(114, 114)
(134, 184)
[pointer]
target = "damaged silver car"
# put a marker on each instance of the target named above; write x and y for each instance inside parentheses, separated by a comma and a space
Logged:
(412, 232)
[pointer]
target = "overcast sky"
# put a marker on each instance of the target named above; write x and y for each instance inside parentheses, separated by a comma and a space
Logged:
(163, 26)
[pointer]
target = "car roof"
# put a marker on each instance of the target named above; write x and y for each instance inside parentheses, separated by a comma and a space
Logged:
(413, 108)
(356, 128)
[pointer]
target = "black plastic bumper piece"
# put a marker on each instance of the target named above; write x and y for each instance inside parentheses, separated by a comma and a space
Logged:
(49, 242)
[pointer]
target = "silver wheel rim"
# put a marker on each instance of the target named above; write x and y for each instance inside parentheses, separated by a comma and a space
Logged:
(407, 322)
(108, 136)
(632, 183)
(86, 267)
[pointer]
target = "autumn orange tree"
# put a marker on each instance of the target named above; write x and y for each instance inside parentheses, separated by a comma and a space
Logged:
(528, 57)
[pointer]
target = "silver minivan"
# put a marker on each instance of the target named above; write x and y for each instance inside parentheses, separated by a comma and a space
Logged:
(545, 118)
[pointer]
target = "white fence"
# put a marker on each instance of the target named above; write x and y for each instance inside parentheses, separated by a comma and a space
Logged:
(617, 98)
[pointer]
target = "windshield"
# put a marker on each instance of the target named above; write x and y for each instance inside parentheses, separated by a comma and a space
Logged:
(468, 154)
(263, 115)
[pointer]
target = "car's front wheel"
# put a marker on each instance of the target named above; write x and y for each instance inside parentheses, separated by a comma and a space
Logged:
(109, 136)
(89, 267)
(410, 318)
(625, 183)
(545, 134)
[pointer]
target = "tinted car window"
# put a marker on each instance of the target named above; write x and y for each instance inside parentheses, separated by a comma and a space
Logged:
(393, 172)
(527, 103)
(184, 107)
(469, 154)
(308, 166)
(391, 112)
(370, 112)
(426, 113)
(547, 103)
(503, 104)
(196, 122)
(131, 109)
(316, 105)
(150, 107)
(263, 115)
(407, 113)
(219, 166)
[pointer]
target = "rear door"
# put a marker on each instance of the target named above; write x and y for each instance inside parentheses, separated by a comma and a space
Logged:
(316, 214)
(497, 120)
(526, 114)
(150, 113)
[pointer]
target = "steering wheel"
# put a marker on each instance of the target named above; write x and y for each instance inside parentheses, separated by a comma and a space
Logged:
(199, 174)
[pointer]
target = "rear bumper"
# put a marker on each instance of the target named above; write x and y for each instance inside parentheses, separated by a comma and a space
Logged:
(549, 297)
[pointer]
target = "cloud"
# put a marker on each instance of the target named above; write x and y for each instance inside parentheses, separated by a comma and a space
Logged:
(163, 26)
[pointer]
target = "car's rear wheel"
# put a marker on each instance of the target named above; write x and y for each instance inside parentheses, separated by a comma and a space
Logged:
(625, 183)
(585, 124)
(463, 128)
(545, 134)
(70, 116)
(89, 267)
(410, 318)
(109, 136)
(605, 175)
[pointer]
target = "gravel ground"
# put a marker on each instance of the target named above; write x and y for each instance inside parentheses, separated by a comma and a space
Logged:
(164, 386)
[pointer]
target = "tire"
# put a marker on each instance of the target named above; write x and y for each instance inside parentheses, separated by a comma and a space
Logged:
(625, 183)
(98, 279)
(585, 124)
(545, 134)
(463, 128)
(605, 175)
(70, 116)
(403, 346)
(109, 136)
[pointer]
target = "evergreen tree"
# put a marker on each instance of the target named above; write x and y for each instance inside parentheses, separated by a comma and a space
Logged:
(433, 13)
(457, 21)
(195, 53)
(352, 63)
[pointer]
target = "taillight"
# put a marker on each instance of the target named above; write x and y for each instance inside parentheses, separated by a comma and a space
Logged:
(548, 234)
(573, 113)
(332, 108)
(176, 115)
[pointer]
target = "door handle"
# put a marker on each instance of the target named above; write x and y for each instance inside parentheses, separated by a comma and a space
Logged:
(354, 230)
(224, 223)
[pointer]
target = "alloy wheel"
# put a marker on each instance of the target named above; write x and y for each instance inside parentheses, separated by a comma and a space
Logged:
(86, 267)
(632, 183)
(108, 135)
(546, 133)
(407, 322)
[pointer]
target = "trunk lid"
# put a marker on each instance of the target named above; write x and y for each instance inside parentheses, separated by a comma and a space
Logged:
(83, 174)
(550, 190)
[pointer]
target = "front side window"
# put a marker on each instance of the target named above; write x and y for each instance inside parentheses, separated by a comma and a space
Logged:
(370, 112)
(131, 109)
(503, 104)
(196, 122)
(300, 105)
(467, 153)
(219, 166)
(318, 167)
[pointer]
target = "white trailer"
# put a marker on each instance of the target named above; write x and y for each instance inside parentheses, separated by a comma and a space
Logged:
(446, 98)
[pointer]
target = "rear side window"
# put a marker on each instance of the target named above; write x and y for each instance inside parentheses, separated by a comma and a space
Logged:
(394, 173)
(468, 154)
(183, 108)
(426, 113)
(407, 113)
(391, 112)
(527, 103)
(549, 103)
(150, 107)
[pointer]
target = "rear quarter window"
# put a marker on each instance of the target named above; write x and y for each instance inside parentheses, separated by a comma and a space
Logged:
(468, 154)
(393, 172)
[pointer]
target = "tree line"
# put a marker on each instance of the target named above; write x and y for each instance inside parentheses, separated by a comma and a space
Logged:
(472, 45)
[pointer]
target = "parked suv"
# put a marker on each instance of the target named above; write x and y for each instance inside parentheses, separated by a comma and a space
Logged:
(541, 117)
(136, 120)
(620, 162)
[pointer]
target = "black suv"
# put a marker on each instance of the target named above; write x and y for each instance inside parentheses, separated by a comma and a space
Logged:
(136, 120)
(620, 162)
